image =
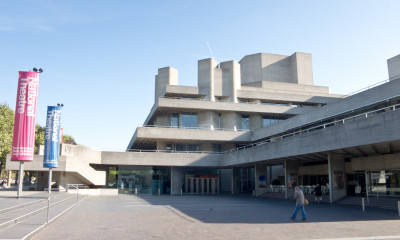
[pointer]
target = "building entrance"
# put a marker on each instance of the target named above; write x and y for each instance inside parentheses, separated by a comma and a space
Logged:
(384, 182)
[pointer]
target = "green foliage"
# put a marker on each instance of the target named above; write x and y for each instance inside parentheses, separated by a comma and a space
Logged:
(6, 132)
(39, 137)
(68, 139)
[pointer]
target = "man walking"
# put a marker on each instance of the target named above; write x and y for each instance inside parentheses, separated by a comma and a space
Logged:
(299, 196)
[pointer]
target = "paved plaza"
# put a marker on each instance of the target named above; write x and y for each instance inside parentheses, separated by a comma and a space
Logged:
(217, 217)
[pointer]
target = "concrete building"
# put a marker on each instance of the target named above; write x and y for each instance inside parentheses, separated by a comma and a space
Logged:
(255, 126)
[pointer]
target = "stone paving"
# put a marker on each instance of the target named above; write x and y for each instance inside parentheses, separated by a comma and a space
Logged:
(217, 217)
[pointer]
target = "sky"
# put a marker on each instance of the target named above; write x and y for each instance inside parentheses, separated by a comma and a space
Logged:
(100, 57)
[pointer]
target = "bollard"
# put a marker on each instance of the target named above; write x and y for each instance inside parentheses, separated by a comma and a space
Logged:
(48, 207)
(398, 207)
(363, 205)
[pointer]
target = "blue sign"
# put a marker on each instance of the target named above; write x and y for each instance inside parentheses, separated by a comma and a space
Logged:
(52, 137)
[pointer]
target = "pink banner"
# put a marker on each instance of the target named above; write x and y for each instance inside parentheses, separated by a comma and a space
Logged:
(23, 144)
(61, 135)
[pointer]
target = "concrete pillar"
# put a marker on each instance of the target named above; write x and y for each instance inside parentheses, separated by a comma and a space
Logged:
(213, 187)
(394, 67)
(187, 185)
(291, 177)
(255, 121)
(232, 181)
(206, 77)
(260, 187)
(218, 185)
(171, 180)
(9, 178)
(229, 121)
(337, 181)
(231, 80)
(197, 185)
(202, 185)
(166, 76)
(191, 185)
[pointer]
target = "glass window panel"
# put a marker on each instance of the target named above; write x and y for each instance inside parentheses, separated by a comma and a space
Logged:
(245, 122)
(175, 120)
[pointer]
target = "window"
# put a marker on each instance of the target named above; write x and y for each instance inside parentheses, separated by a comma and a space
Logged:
(219, 120)
(175, 120)
(187, 147)
(269, 121)
(245, 122)
(188, 120)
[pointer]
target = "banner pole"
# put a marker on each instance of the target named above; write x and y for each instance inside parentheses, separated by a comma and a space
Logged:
(50, 176)
(20, 178)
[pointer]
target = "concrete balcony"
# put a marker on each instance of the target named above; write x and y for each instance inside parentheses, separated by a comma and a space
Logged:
(190, 105)
(166, 133)
(161, 159)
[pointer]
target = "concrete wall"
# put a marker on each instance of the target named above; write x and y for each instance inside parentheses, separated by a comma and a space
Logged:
(394, 67)
(164, 120)
(160, 159)
(296, 68)
(255, 121)
(171, 134)
(165, 76)
(379, 162)
(321, 169)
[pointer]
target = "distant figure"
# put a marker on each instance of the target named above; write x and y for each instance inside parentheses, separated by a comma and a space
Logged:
(357, 190)
(318, 193)
(299, 196)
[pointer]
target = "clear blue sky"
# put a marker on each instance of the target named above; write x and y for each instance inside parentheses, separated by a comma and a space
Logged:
(100, 57)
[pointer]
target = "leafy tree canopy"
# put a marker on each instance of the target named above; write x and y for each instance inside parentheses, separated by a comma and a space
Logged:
(6, 132)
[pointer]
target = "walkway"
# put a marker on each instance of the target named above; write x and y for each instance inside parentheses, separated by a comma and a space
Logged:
(216, 217)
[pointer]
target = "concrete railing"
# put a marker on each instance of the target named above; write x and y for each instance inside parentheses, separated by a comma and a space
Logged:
(196, 128)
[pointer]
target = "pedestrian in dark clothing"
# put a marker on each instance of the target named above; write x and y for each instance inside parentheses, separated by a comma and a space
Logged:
(317, 193)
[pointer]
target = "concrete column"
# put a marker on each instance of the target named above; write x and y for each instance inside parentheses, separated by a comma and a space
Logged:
(336, 170)
(232, 181)
(171, 180)
(291, 177)
(9, 178)
(255, 121)
(197, 185)
(202, 185)
(206, 77)
(218, 185)
(260, 170)
(231, 80)
(187, 185)
(166, 76)
(207, 186)
(191, 185)
(213, 187)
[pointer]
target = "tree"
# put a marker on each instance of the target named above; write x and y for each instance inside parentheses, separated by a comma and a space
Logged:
(6, 133)
(39, 137)
(68, 139)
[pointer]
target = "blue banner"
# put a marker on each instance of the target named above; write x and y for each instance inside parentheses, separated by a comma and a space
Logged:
(52, 137)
